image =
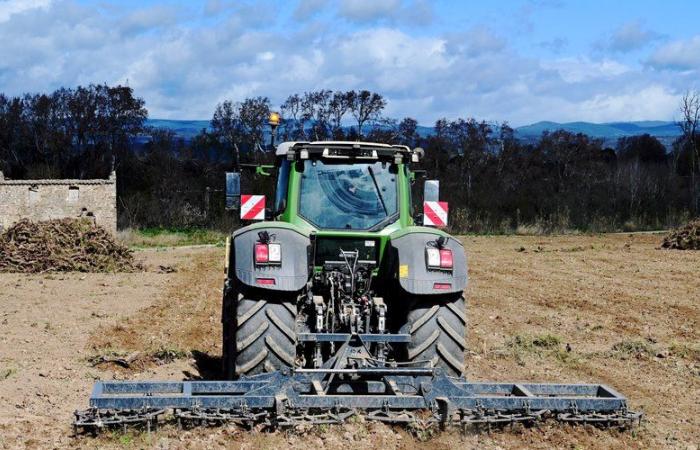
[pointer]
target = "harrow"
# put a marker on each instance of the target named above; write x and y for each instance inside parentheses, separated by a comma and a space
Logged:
(352, 383)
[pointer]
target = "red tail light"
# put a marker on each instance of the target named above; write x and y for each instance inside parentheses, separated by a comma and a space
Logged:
(445, 258)
(262, 255)
(442, 285)
(439, 259)
(266, 281)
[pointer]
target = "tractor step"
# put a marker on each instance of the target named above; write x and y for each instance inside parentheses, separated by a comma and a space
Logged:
(396, 395)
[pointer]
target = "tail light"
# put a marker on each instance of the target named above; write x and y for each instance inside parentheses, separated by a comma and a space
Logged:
(439, 259)
(445, 258)
(268, 253)
(262, 254)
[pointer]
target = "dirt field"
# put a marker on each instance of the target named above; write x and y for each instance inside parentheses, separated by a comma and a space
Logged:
(628, 312)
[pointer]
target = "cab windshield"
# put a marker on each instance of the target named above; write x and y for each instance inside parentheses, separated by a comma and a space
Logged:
(357, 196)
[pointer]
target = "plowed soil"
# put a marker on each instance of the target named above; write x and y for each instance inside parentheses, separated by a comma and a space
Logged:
(610, 309)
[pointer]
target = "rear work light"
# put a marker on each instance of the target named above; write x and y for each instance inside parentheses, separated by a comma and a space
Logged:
(438, 259)
(268, 253)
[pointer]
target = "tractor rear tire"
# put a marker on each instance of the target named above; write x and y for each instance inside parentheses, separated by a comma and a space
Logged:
(437, 327)
(262, 335)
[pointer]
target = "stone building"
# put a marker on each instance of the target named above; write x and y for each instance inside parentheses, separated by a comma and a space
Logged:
(53, 199)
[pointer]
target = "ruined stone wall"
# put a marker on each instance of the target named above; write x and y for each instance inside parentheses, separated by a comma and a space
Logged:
(53, 199)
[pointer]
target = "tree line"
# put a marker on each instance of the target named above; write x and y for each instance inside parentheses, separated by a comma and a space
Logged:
(493, 181)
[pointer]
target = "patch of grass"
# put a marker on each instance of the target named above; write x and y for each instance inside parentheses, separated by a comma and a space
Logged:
(686, 351)
(633, 348)
(170, 237)
(7, 373)
(534, 343)
(630, 226)
(168, 355)
(128, 439)
(541, 345)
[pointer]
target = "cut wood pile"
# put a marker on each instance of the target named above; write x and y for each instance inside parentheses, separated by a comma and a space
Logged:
(63, 245)
(686, 237)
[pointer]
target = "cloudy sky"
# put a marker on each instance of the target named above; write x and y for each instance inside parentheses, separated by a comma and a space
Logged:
(521, 61)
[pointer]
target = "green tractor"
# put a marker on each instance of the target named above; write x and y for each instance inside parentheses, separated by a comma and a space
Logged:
(340, 304)
(343, 254)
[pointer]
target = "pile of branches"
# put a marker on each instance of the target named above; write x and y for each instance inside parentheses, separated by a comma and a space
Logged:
(686, 237)
(63, 245)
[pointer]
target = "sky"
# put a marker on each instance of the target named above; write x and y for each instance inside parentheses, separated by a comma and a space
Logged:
(519, 61)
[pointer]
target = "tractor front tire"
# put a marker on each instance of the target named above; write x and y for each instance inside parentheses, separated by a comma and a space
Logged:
(262, 335)
(437, 328)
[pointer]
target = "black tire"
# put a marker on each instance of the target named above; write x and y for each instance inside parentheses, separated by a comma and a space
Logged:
(437, 327)
(261, 337)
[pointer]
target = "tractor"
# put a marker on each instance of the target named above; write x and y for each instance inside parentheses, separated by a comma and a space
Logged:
(345, 253)
(344, 297)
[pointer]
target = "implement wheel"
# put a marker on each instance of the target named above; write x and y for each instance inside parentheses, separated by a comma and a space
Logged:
(259, 333)
(437, 328)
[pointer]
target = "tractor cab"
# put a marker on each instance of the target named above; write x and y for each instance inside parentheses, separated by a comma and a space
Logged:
(342, 186)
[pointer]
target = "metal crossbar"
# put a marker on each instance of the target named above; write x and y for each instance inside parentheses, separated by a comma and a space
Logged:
(396, 395)
(349, 383)
(297, 388)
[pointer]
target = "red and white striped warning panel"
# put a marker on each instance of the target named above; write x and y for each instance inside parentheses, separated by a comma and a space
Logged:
(252, 207)
(435, 214)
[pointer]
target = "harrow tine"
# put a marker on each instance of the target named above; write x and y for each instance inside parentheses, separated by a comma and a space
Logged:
(289, 399)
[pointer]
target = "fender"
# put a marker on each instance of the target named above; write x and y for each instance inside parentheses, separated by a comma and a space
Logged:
(407, 253)
(291, 275)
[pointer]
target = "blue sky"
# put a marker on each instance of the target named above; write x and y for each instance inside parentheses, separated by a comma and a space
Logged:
(518, 61)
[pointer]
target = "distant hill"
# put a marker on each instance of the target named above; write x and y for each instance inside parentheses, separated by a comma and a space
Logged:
(183, 128)
(609, 132)
(604, 130)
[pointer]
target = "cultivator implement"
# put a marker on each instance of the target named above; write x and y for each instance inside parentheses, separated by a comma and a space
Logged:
(353, 384)
(409, 396)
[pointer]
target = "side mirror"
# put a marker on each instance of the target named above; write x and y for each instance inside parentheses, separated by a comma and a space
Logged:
(233, 190)
(431, 191)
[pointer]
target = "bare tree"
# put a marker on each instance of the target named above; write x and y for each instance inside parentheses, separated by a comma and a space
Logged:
(365, 106)
(690, 111)
(254, 114)
(317, 107)
(292, 114)
(337, 108)
(408, 131)
(226, 124)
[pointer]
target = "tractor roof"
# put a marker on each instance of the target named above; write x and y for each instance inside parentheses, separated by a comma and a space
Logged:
(347, 150)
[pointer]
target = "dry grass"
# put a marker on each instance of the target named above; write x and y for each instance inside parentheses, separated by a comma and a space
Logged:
(183, 322)
(157, 237)
(612, 309)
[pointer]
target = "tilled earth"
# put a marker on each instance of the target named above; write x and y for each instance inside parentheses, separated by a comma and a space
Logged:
(613, 309)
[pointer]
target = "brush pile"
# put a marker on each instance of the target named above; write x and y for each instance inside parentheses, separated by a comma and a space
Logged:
(63, 245)
(686, 237)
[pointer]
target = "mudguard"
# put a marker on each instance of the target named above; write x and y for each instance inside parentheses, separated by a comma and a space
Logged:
(407, 248)
(291, 275)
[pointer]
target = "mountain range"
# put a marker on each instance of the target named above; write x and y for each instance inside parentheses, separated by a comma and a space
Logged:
(609, 132)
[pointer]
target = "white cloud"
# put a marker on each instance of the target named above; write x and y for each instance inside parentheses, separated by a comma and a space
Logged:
(10, 7)
(368, 10)
(677, 55)
(631, 36)
(371, 11)
(306, 9)
(648, 103)
(576, 70)
(183, 68)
